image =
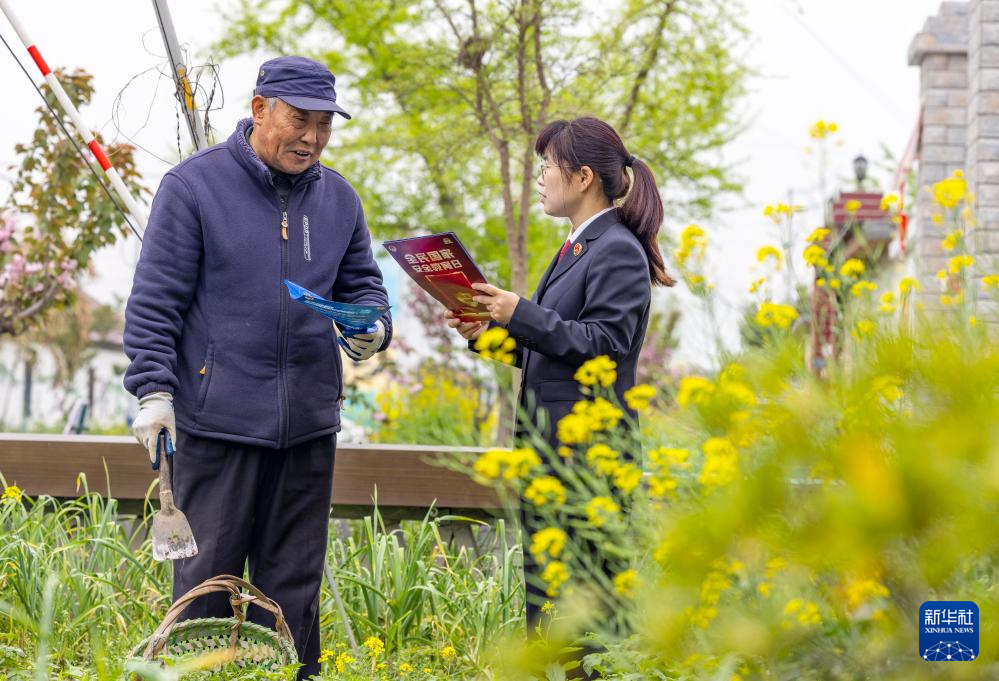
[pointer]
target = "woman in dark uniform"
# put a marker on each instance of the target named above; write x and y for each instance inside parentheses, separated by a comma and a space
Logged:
(594, 298)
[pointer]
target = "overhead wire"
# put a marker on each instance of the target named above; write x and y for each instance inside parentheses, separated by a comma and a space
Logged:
(878, 93)
(118, 105)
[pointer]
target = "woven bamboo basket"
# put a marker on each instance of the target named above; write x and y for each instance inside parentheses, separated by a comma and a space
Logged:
(252, 645)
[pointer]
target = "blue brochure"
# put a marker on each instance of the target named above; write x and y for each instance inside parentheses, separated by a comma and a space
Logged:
(354, 319)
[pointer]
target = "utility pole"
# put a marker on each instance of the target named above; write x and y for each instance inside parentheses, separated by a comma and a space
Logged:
(185, 94)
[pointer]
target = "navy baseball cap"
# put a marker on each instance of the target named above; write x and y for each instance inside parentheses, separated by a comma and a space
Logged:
(300, 82)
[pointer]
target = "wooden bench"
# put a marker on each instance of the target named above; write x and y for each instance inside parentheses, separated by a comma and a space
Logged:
(404, 477)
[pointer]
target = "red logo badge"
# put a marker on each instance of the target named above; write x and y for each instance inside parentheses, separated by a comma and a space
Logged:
(577, 249)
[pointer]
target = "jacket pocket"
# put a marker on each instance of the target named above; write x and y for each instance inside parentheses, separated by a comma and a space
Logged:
(206, 379)
(559, 391)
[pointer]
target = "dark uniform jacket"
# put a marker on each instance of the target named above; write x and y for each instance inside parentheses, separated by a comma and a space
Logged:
(595, 301)
(209, 319)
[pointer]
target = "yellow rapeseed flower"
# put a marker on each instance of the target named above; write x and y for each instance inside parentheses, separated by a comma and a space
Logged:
(639, 396)
(990, 281)
(326, 656)
(599, 370)
(405, 668)
(820, 283)
(735, 389)
(602, 459)
(721, 463)
(770, 252)
(661, 485)
(693, 243)
(955, 299)
(664, 457)
(887, 302)
(950, 191)
(775, 314)
(852, 268)
(862, 287)
(601, 509)
(625, 583)
(600, 414)
(508, 465)
(448, 652)
(859, 592)
(755, 286)
(544, 490)
(12, 494)
(937, 218)
(554, 576)
(806, 613)
(862, 329)
(852, 206)
(574, 429)
(815, 256)
(834, 283)
(889, 200)
(374, 645)
(547, 543)
(959, 262)
(889, 387)
(496, 343)
(343, 660)
(694, 390)
(951, 241)
(778, 211)
(627, 477)
(774, 565)
(908, 284)
(821, 129)
(818, 235)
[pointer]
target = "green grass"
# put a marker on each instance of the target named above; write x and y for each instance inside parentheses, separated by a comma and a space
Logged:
(79, 590)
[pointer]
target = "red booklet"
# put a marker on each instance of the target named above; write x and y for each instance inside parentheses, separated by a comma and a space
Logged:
(443, 268)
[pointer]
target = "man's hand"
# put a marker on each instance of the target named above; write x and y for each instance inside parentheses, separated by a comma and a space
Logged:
(468, 330)
(155, 414)
(500, 303)
(363, 345)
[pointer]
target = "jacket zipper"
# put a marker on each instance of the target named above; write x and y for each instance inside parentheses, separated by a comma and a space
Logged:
(284, 419)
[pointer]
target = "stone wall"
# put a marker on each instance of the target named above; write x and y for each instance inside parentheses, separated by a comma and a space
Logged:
(982, 161)
(940, 50)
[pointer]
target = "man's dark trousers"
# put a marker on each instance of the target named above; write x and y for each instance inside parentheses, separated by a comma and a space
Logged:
(264, 508)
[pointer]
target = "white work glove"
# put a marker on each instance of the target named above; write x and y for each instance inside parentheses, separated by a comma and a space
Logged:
(155, 414)
(364, 345)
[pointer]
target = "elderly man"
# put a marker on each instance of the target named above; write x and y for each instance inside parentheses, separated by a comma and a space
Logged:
(255, 381)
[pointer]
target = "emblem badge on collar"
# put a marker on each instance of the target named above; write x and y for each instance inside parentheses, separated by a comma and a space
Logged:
(577, 249)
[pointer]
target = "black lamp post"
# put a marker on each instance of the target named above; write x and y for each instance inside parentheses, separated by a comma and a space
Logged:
(860, 170)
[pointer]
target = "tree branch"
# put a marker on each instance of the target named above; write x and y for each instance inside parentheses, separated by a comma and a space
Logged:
(651, 56)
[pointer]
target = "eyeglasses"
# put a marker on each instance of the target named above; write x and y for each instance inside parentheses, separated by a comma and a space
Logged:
(544, 165)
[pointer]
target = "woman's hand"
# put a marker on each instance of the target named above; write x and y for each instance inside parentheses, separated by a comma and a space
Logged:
(500, 303)
(468, 330)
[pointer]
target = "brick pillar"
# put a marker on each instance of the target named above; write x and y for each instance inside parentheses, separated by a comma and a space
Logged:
(983, 126)
(940, 51)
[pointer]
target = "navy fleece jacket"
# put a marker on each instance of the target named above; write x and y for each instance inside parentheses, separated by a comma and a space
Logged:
(209, 319)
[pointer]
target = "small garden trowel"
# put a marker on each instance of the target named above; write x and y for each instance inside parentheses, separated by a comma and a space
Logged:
(172, 536)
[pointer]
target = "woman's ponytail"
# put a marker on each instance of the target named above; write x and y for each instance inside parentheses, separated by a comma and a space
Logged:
(642, 213)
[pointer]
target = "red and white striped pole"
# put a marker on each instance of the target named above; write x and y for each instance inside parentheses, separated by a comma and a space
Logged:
(137, 211)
